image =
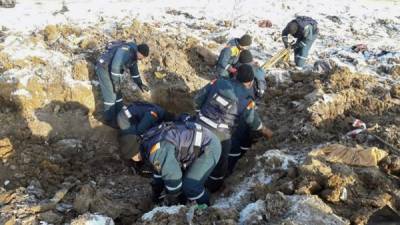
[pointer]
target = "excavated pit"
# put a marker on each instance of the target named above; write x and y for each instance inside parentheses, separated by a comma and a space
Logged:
(53, 142)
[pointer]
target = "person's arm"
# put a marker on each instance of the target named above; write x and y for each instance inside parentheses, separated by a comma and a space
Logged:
(223, 61)
(261, 83)
(285, 36)
(253, 120)
(136, 76)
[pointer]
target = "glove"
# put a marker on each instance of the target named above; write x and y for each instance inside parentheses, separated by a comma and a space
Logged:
(266, 132)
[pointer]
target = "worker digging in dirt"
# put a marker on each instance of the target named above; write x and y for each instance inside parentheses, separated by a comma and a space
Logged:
(305, 30)
(222, 104)
(242, 137)
(182, 155)
(118, 57)
(230, 55)
(140, 116)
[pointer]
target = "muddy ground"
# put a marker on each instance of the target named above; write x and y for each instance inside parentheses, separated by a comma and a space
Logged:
(59, 161)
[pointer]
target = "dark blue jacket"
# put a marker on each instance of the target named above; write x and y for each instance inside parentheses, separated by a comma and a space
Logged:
(120, 57)
(190, 140)
(225, 102)
(260, 85)
(228, 56)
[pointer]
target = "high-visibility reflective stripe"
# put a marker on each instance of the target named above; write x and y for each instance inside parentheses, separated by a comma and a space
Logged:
(222, 125)
(244, 148)
(119, 100)
(234, 154)
(285, 36)
(109, 103)
(213, 124)
(174, 188)
(208, 121)
(127, 113)
(222, 101)
(135, 76)
(157, 175)
(304, 44)
(198, 196)
(216, 178)
(154, 148)
(198, 135)
(227, 67)
(260, 127)
(116, 74)
(125, 48)
(298, 56)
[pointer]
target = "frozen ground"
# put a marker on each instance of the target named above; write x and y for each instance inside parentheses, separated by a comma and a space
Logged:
(342, 24)
(375, 23)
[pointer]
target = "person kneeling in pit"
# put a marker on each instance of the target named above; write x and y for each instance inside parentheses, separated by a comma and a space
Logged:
(139, 117)
(182, 156)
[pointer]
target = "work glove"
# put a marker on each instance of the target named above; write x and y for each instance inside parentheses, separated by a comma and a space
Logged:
(266, 132)
(175, 199)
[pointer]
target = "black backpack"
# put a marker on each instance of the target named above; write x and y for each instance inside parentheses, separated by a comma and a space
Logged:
(115, 44)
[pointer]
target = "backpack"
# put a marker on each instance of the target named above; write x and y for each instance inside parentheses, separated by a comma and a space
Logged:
(114, 44)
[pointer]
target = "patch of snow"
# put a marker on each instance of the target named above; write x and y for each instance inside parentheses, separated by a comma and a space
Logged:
(92, 219)
(21, 76)
(22, 92)
(311, 210)
(285, 159)
(252, 211)
(163, 209)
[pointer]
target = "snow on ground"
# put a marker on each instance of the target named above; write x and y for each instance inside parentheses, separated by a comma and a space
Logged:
(163, 209)
(251, 210)
(273, 159)
(374, 23)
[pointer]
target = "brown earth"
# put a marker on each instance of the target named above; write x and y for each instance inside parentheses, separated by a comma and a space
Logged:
(54, 137)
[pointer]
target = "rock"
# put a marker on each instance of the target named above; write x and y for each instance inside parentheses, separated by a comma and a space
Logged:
(209, 57)
(84, 198)
(252, 213)
(7, 3)
(92, 219)
(395, 91)
(335, 19)
(395, 71)
(6, 148)
(80, 70)
(305, 210)
(323, 67)
(51, 33)
(6, 197)
(8, 220)
(88, 44)
(50, 217)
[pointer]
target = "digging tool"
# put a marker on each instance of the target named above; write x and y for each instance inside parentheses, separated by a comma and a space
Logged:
(282, 55)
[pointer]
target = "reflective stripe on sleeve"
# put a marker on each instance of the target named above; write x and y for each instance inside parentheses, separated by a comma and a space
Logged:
(174, 188)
